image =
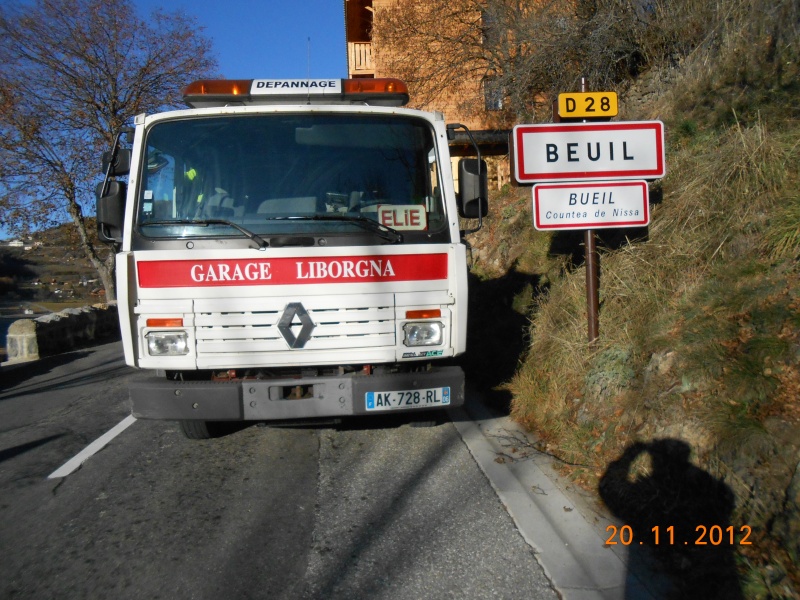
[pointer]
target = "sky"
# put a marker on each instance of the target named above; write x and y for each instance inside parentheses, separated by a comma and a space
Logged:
(269, 38)
(255, 39)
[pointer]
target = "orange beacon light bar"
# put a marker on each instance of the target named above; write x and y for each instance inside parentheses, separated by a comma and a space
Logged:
(234, 92)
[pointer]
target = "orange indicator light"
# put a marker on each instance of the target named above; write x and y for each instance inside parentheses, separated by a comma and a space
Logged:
(170, 322)
(427, 313)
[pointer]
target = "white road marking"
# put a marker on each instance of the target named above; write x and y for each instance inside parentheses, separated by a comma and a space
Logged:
(97, 445)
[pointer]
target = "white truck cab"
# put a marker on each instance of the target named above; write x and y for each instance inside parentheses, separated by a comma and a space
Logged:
(290, 249)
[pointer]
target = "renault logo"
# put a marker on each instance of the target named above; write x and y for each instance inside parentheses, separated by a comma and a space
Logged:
(294, 311)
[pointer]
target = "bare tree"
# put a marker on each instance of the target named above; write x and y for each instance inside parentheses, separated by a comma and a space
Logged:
(434, 45)
(72, 73)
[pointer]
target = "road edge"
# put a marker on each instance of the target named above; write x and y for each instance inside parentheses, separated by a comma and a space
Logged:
(570, 549)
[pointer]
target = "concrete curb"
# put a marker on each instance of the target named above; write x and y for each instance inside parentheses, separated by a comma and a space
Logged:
(32, 339)
(557, 525)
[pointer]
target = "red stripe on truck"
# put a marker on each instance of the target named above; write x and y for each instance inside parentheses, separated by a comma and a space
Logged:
(291, 271)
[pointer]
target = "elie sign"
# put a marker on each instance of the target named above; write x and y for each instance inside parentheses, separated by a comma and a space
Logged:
(589, 151)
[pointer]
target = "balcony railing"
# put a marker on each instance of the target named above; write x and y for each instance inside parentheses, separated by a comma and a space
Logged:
(359, 56)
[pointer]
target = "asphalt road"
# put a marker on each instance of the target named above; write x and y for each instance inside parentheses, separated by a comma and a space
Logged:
(377, 509)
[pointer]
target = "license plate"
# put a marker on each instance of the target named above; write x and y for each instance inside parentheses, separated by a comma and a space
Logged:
(404, 399)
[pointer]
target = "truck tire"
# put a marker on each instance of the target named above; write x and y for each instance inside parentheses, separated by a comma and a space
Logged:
(197, 430)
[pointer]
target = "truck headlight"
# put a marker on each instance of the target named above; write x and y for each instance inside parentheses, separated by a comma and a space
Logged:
(424, 333)
(167, 343)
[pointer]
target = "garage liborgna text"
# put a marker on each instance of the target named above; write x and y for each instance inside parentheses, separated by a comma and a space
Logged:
(334, 269)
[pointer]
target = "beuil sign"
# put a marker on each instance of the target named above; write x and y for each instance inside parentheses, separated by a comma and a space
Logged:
(589, 151)
(590, 205)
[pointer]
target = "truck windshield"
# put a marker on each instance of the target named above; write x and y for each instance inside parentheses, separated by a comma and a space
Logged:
(279, 174)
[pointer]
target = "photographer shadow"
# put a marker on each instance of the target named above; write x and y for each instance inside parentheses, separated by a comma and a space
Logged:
(679, 517)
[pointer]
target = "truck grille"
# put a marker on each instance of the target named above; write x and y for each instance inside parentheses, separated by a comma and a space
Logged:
(253, 325)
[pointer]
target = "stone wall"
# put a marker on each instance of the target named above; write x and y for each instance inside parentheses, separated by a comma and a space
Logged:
(31, 339)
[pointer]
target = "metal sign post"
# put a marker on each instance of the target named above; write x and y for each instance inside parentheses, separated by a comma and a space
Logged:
(568, 106)
(592, 285)
(592, 274)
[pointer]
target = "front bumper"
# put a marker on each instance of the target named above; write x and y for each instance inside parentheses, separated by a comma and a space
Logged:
(267, 399)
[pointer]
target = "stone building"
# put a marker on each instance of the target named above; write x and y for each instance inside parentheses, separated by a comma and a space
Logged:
(469, 101)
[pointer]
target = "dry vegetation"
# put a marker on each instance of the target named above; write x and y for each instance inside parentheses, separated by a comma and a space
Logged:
(700, 316)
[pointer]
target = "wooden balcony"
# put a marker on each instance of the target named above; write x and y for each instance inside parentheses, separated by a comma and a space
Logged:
(359, 58)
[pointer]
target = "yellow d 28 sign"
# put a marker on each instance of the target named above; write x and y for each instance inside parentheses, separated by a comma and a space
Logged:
(588, 104)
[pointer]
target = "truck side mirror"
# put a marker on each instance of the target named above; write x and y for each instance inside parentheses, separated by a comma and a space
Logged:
(119, 162)
(111, 211)
(473, 188)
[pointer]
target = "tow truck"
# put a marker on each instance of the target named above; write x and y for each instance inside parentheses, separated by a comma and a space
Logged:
(290, 250)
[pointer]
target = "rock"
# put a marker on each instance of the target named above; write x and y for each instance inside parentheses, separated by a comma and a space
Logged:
(21, 341)
(660, 363)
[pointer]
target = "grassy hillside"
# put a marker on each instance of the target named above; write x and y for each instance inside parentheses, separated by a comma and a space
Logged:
(700, 315)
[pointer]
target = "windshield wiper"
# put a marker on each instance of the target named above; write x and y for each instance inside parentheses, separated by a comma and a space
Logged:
(387, 233)
(262, 243)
